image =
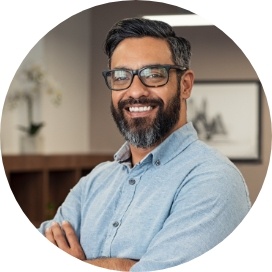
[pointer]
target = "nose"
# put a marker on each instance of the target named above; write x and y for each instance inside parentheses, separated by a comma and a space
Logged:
(137, 89)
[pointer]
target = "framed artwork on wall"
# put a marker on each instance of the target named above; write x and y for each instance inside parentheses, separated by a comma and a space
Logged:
(226, 115)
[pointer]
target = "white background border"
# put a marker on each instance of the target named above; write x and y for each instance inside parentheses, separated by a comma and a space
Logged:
(23, 23)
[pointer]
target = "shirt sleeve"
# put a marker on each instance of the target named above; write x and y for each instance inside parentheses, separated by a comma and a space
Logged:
(207, 208)
(70, 210)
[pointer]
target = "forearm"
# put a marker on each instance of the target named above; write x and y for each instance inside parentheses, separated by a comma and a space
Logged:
(113, 263)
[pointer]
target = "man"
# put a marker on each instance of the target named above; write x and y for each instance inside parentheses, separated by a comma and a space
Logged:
(167, 197)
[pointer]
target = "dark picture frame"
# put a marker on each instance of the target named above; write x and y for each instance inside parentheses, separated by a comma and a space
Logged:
(226, 115)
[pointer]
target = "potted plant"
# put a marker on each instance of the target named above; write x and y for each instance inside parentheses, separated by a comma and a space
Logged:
(30, 82)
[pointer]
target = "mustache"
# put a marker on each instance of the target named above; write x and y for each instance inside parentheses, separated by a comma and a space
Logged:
(142, 100)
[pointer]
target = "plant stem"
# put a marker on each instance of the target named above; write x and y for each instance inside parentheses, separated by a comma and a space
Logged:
(29, 105)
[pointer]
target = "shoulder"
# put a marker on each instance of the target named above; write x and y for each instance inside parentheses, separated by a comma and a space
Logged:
(212, 173)
(205, 157)
(104, 166)
(208, 164)
(98, 174)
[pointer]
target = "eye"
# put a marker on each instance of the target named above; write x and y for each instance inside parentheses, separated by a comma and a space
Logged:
(154, 73)
(120, 75)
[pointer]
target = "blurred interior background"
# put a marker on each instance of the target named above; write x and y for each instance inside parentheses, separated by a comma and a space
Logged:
(79, 131)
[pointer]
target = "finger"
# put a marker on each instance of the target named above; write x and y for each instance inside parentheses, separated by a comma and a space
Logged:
(70, 234)
(49, 235)
(75, 248)
(59, 236)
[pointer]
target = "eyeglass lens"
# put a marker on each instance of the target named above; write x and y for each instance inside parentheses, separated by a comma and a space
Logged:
(149, 76)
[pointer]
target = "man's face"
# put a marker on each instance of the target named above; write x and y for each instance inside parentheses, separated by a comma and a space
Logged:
(145, 115)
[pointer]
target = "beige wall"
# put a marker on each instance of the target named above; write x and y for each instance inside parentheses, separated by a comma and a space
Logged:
(64, 54)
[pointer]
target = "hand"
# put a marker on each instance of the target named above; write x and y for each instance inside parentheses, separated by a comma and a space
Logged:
(65, 238)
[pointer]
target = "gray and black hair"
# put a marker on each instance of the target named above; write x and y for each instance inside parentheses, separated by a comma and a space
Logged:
(140, 27)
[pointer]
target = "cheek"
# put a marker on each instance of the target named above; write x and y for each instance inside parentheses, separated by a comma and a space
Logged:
(115, 98)
(118, 95)
(167, 94)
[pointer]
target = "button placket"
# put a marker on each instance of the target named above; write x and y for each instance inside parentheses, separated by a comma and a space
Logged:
(127, 196)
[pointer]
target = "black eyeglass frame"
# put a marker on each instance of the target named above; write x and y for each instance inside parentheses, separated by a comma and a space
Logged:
(138, 71)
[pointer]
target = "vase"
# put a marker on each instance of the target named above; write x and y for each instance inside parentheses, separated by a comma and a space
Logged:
(31, 144)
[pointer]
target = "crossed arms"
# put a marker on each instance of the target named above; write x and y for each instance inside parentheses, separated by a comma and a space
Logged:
(65, 238)
(199, 218)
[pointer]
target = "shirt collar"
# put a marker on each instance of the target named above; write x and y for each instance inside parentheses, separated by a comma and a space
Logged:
(167, 150)
(174, 144)
(123, 154)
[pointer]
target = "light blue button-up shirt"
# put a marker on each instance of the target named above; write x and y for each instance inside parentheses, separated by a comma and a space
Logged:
(180, 201)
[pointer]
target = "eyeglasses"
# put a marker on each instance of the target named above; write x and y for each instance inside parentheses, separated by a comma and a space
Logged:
(150, 76)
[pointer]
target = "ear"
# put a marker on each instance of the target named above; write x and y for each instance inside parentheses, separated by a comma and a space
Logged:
(187, 82)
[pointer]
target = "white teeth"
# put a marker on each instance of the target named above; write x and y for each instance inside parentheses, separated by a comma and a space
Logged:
(140, 109)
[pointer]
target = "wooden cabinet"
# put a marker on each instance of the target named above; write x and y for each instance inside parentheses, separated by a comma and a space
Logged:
(40, 183)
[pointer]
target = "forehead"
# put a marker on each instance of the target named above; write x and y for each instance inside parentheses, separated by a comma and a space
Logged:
(135, 53)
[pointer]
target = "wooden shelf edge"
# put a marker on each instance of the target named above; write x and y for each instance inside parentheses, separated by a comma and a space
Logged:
(17, 163)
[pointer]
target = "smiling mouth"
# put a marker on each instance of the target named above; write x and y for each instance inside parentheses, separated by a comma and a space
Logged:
(140, 109)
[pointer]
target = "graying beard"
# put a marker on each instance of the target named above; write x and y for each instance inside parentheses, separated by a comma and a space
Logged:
(142, 139)
(148, 138)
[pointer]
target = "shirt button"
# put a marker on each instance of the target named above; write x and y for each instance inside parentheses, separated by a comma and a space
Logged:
(157, 162)
(132, 181)
(115, 224)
